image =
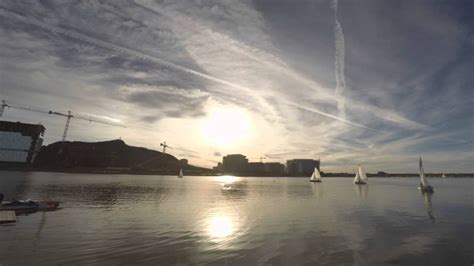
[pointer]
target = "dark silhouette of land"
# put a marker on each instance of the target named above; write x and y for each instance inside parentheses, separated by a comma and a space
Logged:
(116, 157)
(109, 157)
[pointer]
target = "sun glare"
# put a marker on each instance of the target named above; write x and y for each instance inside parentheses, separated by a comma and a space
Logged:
(226, 127)
(226, 178)
(221, 226)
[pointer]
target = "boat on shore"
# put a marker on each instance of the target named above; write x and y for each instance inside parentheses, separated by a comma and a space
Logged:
(360, 177)
(424, 185)
(29, 206)
(316, 176)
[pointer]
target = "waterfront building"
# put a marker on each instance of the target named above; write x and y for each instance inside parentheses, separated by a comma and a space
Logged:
(256, 168)
(219, 168)
(20, 142)
(301, 167)
(275, 168)
(235, 164)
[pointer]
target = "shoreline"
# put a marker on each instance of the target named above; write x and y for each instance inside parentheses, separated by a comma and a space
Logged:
(102, 171)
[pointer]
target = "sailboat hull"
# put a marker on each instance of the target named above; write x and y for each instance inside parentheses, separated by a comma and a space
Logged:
(318, 181)
(426, 189)
(360, 183)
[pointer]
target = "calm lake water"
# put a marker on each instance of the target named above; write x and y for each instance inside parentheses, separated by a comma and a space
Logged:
(122, 219)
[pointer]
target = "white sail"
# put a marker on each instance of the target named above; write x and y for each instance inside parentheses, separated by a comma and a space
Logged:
(180, 175)
(316, 176)
(362, 174)
(357, 178)
(313, 176)
(443, 175)
(422, 175)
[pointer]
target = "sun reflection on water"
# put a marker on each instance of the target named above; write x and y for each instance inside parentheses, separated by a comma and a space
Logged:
(227, 178)
(221, 226)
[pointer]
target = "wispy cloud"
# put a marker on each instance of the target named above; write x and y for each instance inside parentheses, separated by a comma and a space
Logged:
(160, 66)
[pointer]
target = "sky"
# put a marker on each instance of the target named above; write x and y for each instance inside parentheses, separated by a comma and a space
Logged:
(371, 82)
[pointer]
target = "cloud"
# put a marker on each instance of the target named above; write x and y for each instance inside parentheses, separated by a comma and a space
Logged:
(147, 63)
(163, 101)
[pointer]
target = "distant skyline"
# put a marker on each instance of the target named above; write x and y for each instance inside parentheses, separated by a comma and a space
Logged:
(371, 82)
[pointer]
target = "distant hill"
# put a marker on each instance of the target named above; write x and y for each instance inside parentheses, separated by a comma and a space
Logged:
(109, 156)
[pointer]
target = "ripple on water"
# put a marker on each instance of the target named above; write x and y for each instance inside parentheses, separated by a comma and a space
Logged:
(230, 220)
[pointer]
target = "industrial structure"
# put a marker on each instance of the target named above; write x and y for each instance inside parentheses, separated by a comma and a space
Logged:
(165, 146)
(20, 142)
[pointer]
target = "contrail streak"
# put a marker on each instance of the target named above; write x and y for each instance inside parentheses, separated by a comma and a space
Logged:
(251, 53)
(330, 116)
(140, 55)
(134, 53)
(120, 49)
(339, 62)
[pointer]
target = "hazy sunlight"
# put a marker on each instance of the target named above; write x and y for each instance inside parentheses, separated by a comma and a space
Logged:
(226, 127)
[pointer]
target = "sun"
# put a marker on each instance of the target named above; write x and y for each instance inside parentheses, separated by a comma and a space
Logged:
(226, 126)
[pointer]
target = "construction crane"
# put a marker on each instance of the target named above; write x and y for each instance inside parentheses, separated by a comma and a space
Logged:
(261, 158)
(68, 116)
(2, 107)
(5, 106)
(165, 146)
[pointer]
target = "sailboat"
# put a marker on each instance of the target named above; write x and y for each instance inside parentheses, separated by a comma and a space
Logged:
(360, 177)
(424, 185)
(443, 175)
(316, 176)
(180, 174)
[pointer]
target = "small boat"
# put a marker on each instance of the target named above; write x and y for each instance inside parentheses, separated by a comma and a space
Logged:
(29, 206)
(360, 177)
(316, 176)
(180, 174)
(424, 185)
(443, 176)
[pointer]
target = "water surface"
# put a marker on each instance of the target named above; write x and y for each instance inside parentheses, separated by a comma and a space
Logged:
(124, 219)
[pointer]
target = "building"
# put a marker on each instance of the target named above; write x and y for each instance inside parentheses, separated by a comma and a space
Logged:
(301, 167)
(257, 168)
(183, 162)
(234, 164)
(20, 142)
(276, 169)
(219, 168)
